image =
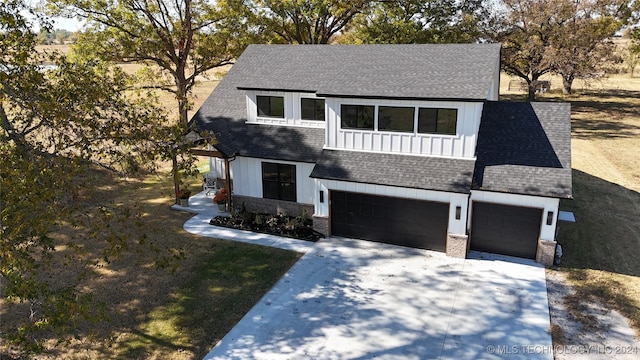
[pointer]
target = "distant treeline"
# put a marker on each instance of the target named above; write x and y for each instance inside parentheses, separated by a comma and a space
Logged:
(58, 36)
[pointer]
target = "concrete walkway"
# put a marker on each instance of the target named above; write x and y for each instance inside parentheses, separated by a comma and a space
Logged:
(353, 299)
(203, 206)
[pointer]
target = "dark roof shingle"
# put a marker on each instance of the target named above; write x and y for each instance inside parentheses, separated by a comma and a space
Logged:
(524, 148)
(432, 71)
(417, 172)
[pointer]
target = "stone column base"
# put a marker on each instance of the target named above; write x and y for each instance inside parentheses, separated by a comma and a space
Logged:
(321, 224)
(546, 252)
(457, 245)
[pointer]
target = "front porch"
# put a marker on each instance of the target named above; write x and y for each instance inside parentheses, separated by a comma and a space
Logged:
(201, 203)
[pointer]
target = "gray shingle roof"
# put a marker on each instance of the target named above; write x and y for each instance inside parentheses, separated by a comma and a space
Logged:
(432, 71)
(525, 148)
(418, 172)
(522, 148)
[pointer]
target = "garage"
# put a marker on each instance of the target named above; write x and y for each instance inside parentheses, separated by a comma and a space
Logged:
(504, 229)
(398, 221)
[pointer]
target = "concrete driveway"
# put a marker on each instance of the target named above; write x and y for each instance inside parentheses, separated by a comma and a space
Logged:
(351, 299)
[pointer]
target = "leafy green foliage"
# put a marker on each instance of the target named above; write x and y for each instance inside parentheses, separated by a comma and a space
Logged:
(566, 37)
(182, 39)
(308, 21)
(55, 123)
(420, 22)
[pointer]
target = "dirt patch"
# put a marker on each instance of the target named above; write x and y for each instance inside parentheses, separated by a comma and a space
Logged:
(582, 327)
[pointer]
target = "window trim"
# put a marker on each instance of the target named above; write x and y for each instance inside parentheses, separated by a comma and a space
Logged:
(413, 122)
(416, 118)
(417, 129)
(314, 99)
(279, 181)
(373, 125)
(270, 106)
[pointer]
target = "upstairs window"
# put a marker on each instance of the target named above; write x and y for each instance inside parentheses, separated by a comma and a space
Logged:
(279, 181)
(357, 117)
(312, 109)
(395, 118)
(437, 121)
(270, 106)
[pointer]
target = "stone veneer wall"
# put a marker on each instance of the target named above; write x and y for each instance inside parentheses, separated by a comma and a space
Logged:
(457, 245)
(321, 224)
(546, 252)
(270, 206)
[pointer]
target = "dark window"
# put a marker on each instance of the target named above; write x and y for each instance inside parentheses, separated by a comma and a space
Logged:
(357, 117)
(271, 106)
(437, 121)
(312, 109)
(395, 118)
(279, 181)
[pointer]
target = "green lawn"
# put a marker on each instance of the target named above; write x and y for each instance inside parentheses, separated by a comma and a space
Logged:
(168, 294)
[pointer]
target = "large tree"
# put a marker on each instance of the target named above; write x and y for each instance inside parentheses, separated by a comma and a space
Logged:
(527, 34)
(419, 22)
(181, 39)
(632, 51)
(582, 48)
(54, 124)
(308, 21)
(568, 37)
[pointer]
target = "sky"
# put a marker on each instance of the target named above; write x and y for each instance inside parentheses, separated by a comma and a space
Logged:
(58, 23)
(67, 24)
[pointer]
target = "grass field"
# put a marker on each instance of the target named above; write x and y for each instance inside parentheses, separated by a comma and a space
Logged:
(602, 249)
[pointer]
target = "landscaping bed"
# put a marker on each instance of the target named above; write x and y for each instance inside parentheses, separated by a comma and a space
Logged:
(300, 227)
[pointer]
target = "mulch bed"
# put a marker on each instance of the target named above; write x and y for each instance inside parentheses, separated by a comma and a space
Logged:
(300, 227)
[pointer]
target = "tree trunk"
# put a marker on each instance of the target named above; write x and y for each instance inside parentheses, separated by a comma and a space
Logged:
(181, 93)
(532, 90)
(176, 176)
(567, 83)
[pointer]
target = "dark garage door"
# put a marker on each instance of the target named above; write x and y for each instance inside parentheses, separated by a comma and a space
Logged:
(507, 230)
(406, 222)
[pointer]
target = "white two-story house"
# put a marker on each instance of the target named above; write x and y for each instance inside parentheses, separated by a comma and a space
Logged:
(402, 144)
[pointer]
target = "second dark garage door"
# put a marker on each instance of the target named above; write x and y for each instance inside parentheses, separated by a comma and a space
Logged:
(507, 230)
(406, 222)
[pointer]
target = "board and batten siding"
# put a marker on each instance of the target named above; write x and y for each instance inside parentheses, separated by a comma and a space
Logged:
(453, 199)
(216, 166)
(547, 232)
(292, 111)
(461, 145)
(246, 173)
(494, 91)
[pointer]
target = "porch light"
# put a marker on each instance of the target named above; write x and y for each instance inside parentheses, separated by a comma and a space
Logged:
(321, 196)
(549, 217)
(458, 212)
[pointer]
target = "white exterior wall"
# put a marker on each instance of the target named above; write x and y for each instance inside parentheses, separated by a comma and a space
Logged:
(216, 166)
(461, 145)
(247, 178)
(547, 232)
(494, 91)
(292, 112)
(453, 199)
